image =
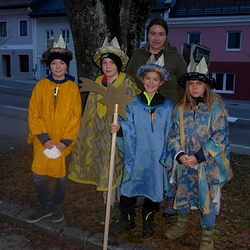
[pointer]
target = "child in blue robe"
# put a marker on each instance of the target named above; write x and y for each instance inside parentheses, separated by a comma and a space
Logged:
(144, 138)
(199, 142)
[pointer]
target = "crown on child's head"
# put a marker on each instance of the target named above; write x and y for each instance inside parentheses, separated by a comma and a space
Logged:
(159, 61)
(198, 72)
(112, 47)
(156, 66)
(57, 47)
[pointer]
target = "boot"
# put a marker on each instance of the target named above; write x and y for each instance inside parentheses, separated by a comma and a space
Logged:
(169, 212)
(113, 216)
(148, 225)
(124, 222)
(179, 229)
(207, 242)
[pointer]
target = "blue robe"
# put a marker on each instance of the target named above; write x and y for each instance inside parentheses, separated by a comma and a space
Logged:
(145, 139)
(206, 130)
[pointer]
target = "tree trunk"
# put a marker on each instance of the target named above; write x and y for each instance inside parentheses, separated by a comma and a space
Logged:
(93, 20)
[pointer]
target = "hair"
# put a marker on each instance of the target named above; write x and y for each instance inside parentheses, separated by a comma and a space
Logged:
(158, 21)
(209, 97)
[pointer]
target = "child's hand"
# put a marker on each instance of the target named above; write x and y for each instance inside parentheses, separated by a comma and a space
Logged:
(188, 161)
(114, 128)
(192, 161)
(61, 146)
(184, 160)
(49, 144)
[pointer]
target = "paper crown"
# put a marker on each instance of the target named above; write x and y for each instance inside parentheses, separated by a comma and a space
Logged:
(201, 67)
(110, 47)
(149, 67)
(198, 72)
(57, 47)
(156, 66)
(159, 61)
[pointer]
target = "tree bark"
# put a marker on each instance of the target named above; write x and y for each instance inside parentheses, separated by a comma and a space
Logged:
(93, 20)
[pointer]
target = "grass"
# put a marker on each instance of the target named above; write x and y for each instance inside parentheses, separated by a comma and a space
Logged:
(83, 205)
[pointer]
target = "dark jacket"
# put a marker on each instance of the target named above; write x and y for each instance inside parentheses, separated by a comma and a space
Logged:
(174, 63)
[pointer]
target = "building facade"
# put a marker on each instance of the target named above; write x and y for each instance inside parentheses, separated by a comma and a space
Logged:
(25, 30)
(222, 26)
(16, 44)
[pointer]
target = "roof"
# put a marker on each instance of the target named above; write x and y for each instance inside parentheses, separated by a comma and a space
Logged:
(7, 4)
(162, 5)
(39, 8)
(46, 8)
(187, 8)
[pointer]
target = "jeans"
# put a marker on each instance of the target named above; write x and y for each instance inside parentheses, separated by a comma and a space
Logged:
(42, 187)
(207, 220)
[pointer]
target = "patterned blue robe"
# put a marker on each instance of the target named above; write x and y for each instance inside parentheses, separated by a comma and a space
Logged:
(208, 131)
(144, 142)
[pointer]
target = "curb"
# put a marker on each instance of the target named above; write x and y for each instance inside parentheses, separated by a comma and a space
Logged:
(78, 237)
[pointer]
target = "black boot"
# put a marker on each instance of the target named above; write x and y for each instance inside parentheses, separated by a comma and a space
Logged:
(125, 222)
(148, 225)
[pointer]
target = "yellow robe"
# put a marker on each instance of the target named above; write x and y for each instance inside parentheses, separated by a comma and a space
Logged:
(60, 121)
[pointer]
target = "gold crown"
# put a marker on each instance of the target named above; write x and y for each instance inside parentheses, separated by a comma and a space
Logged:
(111, 47)
(59, 47)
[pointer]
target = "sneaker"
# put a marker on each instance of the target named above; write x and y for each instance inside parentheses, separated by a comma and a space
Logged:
(57, 214)
(42, 211)
(140, 200)
(113, 216)
(169, 212)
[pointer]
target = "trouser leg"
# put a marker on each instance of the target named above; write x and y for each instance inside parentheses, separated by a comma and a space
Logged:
(42, 188)
(207, 227)
(61, 184)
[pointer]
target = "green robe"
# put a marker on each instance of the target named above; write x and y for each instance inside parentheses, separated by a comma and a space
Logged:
(93, 146)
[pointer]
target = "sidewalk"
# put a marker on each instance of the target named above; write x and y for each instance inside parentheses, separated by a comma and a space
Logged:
(13, 213)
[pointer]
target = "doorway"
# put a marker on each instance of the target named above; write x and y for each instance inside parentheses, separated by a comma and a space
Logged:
(6, 66)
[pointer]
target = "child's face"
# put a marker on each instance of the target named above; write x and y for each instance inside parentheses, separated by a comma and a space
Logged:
(196, 88)
(151, 81)
(58, 69)
(109, 67)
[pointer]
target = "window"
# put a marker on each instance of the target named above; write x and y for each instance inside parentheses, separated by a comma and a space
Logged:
(65, 35)
(3, 28)
(233, 40)
(23, 28)
(24, 63)
(48, 35)
(225, 82)
(194, 38)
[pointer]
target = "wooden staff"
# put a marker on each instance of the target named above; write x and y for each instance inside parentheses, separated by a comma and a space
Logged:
(110, 182)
